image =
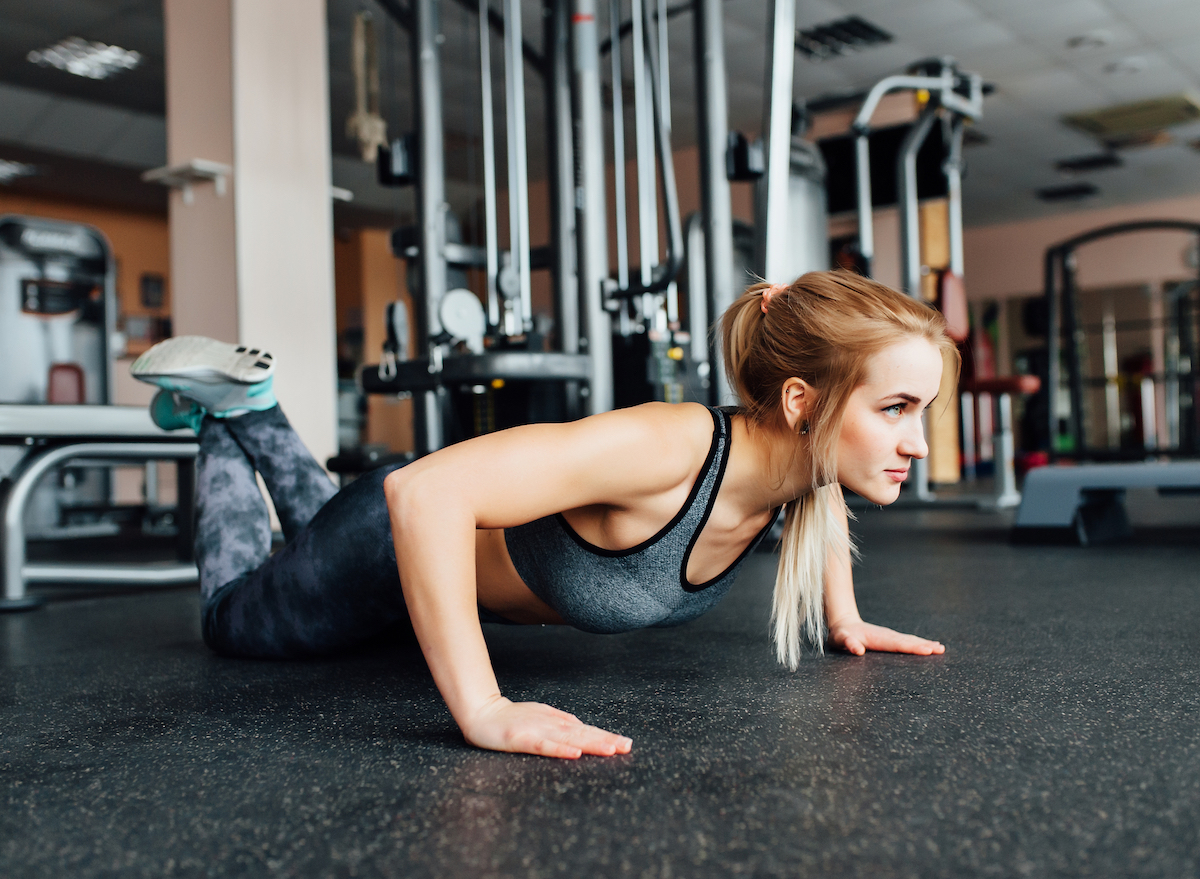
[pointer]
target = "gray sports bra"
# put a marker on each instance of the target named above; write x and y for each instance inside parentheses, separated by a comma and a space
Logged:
(608, 591)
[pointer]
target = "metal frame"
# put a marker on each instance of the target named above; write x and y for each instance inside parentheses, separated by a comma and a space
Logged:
(18, 572)
(772, 203)
(943, 91)
(716, 211)
(945, 97)
(1061, 304)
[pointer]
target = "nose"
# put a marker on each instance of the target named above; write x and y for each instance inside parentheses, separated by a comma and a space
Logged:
(912, 443)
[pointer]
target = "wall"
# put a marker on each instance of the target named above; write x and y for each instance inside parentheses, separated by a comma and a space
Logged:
(1005, 260)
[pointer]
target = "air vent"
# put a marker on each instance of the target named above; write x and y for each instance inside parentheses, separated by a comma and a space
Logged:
(1086, 164)
(850, 34)
(1152, 115)
(1071, 192)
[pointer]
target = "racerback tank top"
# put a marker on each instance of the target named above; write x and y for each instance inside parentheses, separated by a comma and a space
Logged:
(609, 591)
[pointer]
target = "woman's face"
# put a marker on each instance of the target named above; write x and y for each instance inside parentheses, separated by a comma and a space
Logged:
(882, 430)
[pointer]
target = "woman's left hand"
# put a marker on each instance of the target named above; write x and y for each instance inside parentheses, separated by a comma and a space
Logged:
(857, 637)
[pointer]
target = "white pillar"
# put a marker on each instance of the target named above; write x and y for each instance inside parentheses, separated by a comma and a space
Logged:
(247, 86)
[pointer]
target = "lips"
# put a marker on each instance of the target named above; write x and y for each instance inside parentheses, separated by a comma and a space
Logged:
(898, 475)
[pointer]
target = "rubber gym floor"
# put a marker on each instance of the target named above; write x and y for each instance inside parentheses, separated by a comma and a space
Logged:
(1059, 735)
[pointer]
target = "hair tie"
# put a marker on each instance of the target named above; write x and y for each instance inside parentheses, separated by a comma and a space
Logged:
(769, 293)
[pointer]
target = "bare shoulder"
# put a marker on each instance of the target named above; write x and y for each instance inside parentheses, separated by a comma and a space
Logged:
(674, 437)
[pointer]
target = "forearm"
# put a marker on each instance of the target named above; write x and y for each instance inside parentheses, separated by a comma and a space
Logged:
(840, 604)
(435, 553)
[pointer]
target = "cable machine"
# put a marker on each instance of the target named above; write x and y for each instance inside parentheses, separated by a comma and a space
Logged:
(953, 97)
(466, 346)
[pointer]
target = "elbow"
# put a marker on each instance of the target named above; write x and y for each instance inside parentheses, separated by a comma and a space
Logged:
(403, 495)
(416, 496)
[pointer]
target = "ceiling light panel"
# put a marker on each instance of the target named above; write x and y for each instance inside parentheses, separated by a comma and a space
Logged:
(85, 58)
(10, 171)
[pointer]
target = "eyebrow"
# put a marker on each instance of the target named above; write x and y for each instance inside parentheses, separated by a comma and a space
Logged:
(909, 398)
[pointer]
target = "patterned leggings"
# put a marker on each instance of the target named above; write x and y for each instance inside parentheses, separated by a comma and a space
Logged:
(334, 584)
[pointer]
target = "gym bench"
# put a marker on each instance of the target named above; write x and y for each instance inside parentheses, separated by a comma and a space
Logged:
(86, 435)
(1086, 502)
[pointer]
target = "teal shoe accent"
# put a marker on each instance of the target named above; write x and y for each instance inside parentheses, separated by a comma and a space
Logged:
(171, 412)
(257, 398)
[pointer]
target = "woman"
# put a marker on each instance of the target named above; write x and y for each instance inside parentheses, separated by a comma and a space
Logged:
(627, 519)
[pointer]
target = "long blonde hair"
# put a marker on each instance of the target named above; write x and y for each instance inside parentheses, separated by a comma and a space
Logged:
(822, 328)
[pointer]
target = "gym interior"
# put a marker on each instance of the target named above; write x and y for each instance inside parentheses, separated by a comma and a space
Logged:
(450, 217)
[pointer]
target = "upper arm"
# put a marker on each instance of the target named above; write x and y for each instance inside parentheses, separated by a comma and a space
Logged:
(524, 473)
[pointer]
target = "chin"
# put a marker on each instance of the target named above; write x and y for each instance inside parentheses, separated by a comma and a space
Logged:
(881, 496)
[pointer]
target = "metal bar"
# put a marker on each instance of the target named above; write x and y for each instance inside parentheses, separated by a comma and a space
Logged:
(777, 127)
(1112, 393)
(1053, 346)
(591, 218)
(953, 171)
(644, 151)
(562, 200)
(518, 157)
(697, 293)
(1149, 415)
(491, 236)
(866, 224)
(1074, 337)
(1002, 460)
(151, 574)
(667, 270)
(664, 67)
(970, 452)
(431, 209)
(910, 215)
(23, 486)
(618, 115)
(715, 203)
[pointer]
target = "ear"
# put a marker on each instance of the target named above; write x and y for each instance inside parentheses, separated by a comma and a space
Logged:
(796, 398)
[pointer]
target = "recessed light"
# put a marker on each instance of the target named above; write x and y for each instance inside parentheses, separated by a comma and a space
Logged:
(1084, 164)
(1130, 65)
(83, 58)
(1070, 192)
(10, 171)
(1096, 39)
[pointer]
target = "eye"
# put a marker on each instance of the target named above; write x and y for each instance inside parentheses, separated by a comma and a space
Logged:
(896, 410)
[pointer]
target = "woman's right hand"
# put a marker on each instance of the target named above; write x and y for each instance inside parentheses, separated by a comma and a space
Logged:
(534, 728)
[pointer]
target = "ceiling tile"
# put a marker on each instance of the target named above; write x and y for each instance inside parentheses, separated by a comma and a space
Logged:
(911, 20)
(19, 109)
(1055, 90)
(141, 143)
(995, 63)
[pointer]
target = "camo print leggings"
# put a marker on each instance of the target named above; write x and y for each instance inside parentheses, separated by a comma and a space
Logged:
(332, 585)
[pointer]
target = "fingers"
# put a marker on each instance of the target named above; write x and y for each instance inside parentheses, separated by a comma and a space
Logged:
(532, 728)
(863, 637)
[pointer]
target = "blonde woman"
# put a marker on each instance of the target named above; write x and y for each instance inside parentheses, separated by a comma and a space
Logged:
(623, 520)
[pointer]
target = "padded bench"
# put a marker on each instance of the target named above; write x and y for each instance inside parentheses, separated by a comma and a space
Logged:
(43, 437)
(1086, 502)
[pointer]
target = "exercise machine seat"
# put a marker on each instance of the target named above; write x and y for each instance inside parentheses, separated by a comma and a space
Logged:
(952, 300)
(66, 384)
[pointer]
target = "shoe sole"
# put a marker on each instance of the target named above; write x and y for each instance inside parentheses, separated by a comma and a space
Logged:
(204, 359)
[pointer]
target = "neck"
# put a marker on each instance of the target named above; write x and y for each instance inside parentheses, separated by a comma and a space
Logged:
(767, 467)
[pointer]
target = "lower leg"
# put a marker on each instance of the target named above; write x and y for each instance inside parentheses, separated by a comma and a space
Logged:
(297, 483)
(233, 528)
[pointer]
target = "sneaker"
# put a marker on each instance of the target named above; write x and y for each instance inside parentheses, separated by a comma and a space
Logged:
(222, 379)
(172, 412)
